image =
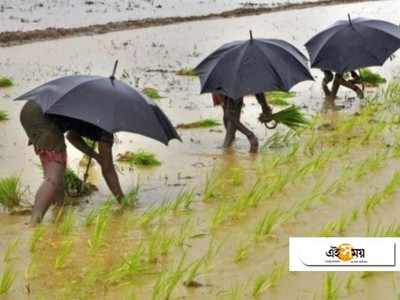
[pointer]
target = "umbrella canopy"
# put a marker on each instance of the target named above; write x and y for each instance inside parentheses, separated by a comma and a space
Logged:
(104, 102)
(352, 44)
(253, 66)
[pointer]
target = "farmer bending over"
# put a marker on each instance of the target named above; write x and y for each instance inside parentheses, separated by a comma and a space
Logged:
(232, 111)
(46, 134)
(338, 80)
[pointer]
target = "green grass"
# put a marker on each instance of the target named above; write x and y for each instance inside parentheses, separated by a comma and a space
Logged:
(3, 115)
(186, 72)
(141, 158)
(291, 117)
(5, 82)
(265, 226)
(370, 78)
(11, 192)
(205, 123)
(279, 98)
(151, 93)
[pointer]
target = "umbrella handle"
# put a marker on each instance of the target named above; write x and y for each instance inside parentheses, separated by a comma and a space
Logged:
(112, 77)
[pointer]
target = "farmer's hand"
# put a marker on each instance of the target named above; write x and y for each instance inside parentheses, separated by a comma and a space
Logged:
(265, 117)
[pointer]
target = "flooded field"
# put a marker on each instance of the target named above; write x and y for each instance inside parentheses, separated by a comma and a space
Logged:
(209, 223)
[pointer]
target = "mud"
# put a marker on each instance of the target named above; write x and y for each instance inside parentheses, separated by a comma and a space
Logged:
(10, 38)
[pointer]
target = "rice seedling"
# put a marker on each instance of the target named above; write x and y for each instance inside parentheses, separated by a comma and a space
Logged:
(236, 176)
(168, 280)
(186, 72)
(280, 140)
(337, 227)
(380, 196)
(204, 123)
(141, 158)
(290, 117)
(64, 252)
(132, 265)
(331, 289)
(11, 192)
(350, 282)
(159, 243)
(220, 216)
(68, 222)
(10, 251)
(392, 230)
(268, 280)
(369, 165)
(212, 185)
(96, 238)
(241, 253)
(392, 94)
(193, 272)
(183, 201)
(91, 217)
(152, 213)
(370, 78)
(7, 280)
(265, 226)
(5, 82)
(3, 115)
(151, 93)
(184, 232)
(36, 237)
(279, 98)
(131, 198)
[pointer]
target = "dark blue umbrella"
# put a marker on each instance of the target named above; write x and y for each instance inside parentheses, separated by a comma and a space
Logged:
(352, 44)
(104, 102)
(253, 66)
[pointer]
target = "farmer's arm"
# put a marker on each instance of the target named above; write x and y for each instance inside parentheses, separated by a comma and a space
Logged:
(108, 169)
(266, 115)
(77, 141)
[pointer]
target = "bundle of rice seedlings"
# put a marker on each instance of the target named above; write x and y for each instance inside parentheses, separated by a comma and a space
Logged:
(141, 158)
(6, 82)
(279, 98)
(186, 72)
(205, 123)
(11, 192)
(151, 93)
(74, 186)
(3, 115)
(370, 78)
(291, 117)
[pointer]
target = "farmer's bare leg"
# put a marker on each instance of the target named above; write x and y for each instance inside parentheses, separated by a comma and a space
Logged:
(231, 110)
(51, 191)
(328, 77)
(233, 116)
(352, 84)
(108, 170)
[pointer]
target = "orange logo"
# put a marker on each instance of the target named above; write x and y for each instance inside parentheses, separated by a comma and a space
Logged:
(345, 252)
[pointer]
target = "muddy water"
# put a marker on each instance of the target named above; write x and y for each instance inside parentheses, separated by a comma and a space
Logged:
(184, 165)
(38, 14)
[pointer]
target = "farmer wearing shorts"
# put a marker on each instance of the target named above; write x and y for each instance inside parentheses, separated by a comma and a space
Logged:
(46, 134)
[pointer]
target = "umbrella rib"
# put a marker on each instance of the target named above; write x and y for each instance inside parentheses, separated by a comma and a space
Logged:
(239, 61)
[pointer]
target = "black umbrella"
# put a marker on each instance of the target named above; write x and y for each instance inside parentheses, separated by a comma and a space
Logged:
(253, 66)
(104, 102)
(352, 44)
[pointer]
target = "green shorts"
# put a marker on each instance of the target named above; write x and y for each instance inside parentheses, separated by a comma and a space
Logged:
(42, 132)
